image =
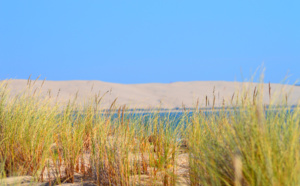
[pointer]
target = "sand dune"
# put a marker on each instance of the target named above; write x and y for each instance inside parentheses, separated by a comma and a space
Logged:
(170, 95)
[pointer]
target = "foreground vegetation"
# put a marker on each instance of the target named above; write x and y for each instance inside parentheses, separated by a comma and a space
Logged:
(244, 145)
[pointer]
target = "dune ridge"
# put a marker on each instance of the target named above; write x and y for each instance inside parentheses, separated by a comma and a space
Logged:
(171, 95)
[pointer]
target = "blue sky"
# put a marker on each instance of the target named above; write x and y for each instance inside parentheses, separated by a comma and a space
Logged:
(143, 41)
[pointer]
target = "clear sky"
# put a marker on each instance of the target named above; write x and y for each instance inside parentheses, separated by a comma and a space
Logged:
(143, 41)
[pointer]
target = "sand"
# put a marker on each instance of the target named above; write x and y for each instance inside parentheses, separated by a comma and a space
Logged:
(171, 95)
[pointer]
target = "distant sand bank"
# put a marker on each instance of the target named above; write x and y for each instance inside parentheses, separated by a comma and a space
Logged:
(169, 96)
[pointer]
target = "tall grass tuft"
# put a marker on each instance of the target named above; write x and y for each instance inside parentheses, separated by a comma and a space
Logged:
(245, 145)
(57, 143)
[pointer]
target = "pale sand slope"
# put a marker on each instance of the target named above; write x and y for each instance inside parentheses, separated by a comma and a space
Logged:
(155, 94)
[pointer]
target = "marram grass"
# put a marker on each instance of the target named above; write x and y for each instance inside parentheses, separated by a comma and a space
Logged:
(244, 143)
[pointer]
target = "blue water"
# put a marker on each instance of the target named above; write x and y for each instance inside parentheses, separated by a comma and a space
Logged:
(167, 119)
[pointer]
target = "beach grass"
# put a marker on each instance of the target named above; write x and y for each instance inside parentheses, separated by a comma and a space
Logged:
(242, 143)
